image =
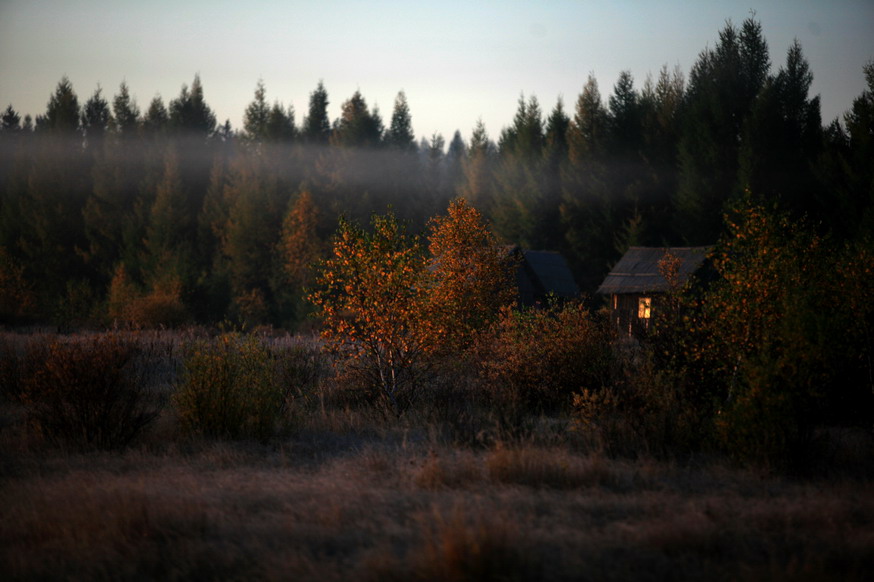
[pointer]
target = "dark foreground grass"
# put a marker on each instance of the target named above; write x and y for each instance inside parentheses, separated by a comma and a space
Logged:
(342, 493)
(400, 511)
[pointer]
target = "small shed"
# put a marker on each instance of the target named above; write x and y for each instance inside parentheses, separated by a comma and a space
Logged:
(636, 282)
(541, 274)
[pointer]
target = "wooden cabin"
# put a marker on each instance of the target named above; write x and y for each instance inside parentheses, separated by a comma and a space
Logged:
(636, 283)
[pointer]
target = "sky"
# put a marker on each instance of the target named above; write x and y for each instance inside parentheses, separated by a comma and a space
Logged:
(456, 61)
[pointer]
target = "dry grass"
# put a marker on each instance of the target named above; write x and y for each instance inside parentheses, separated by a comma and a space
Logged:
(347, 496)
(413, 511)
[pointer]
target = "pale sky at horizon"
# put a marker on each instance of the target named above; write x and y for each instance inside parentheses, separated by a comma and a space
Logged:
(456, 61)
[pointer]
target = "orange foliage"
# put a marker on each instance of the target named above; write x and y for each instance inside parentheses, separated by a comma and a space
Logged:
(471, 275)
(389, 309)
(371, 295)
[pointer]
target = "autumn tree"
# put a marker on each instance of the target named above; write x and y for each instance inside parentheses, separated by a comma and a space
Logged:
(779, 336)
(370, 295)
(300, 246)
(471, 276)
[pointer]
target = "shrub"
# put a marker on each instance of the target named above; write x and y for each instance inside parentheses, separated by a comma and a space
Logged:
(537, 358)
(161, 307)
(648, 410)
(230, 388)
(17, 300)
(88, 393)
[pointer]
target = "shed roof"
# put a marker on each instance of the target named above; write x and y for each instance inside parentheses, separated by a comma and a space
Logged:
(638, 269)
(552, 272)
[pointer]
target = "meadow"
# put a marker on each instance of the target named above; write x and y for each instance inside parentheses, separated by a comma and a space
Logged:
(337, 489)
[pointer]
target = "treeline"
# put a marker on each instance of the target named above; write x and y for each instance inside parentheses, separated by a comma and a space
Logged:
(164, 216)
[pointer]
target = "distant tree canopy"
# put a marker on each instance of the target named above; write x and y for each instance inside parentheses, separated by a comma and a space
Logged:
(181, 204)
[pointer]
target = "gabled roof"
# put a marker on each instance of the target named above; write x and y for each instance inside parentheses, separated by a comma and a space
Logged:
(552, 272)
(638, 269)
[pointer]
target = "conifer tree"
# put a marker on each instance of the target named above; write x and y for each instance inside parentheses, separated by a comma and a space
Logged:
(10, 121)
(860, 130)
(357, 126)
(157, 119)
(585, 208)
(523, 209)
(400, 133)
(96, 120)
(783, 141)
(189, 113)
(256, 116)
(62, 112)
(280, 124)
(316, 125)
(476, 185)
(126, 114)
(723, 85)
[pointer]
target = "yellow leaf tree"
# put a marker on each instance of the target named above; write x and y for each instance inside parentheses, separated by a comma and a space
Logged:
(370, 295)
(471, 275)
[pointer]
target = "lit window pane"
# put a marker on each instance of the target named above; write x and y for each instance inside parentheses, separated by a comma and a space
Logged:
(644, 307)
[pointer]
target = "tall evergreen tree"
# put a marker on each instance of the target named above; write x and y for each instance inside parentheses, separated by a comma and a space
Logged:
(316, 125)
(400, 133)
(860, 130)
(189, 113)
(476, 185)
(522, 209)
(256, 116)
(783, 140)
(95, 120)
(357, 126)
(585, 207)
(280, 124)
(157, 118)
(10, 121)
(723, 85)
(660, 104)
(62, 112)
(624, 116)
(126, 114)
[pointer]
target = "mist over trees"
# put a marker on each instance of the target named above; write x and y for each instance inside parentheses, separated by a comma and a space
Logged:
(104, 202)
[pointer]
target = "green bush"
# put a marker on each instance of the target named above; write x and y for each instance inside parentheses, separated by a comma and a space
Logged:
(88, 393)
(231, 388)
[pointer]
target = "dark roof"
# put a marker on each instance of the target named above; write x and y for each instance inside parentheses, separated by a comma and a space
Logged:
(552, 272)
(638, 269)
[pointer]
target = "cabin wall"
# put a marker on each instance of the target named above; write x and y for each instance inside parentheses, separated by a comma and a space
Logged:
(626, 310)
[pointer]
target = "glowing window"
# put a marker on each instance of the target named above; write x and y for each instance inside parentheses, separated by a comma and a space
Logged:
(644, 307)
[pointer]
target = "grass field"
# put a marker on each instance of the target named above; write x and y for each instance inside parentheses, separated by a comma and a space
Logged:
(343, 494)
